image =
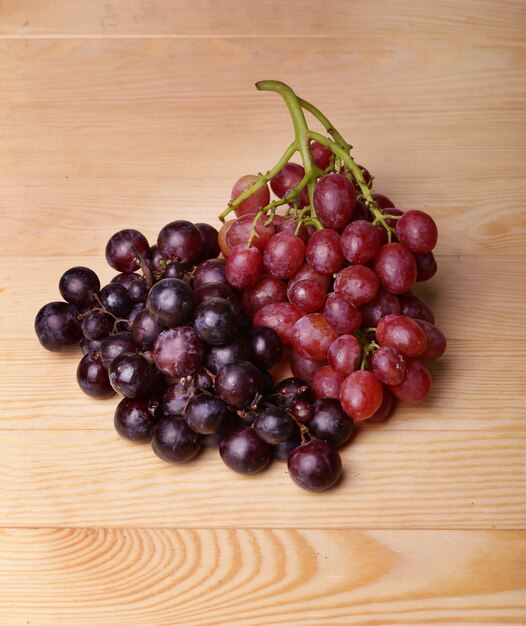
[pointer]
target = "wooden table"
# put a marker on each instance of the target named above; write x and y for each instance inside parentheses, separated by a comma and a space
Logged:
(131, 113)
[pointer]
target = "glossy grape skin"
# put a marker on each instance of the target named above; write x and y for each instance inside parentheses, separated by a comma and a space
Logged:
(210, 246)
(308, 295)
(254, 202)
(57, 326)
(115, 298)
(324, 253)
(273, 425)
(209, 271)
(243, 266)
(311, 336)
(286, 179)
(130, 375)
(79, 285)
(360, 241)
(92, 377)
(119, 250)
(361, 394)
(417, 231)
(334, 201)
(284, 255)
(138, 291)
(344, 354)
(342, 314)
(133, 420)
(321, 155)
(216, 321)
(383, 201)
(395, 266)
(174, 269)
(229, 422)
(436, 341)
(239, 232)
(403, 333)
(281, 451)
(386, 408)
(266, 347)
(115, 345)
(304, 368)
(426, 266)
(416, 385)
(414, 307)
(178, 351)
(238, 349)
(221, 238)
(291, 390)
(384, 303)
(388, 365)
(244, 452)
(358, 282)
(96, 325)
(266, 290)
(315, 466)
(180, 240)
(280, 316)
(306, 272)
(154, 259)
(327, 382)
(238, 382)
(90, 345)
(145, 330)
(205, 414)
(171, 302)
(176, 397)
(214, 290)
(174, 441)
(126, 278)
(330, 423)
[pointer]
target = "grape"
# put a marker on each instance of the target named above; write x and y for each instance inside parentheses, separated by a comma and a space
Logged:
(344, 354)
(287, 225)
(176, 397)
(418, 231)
(386, 408)
(154, 258)
(360, 241)
(239, 233)
(79, 285)
(324, 253)
(436, 341)
(342, 314)
(304, 368)
(301, 410)
(361, 394)
(266, 346)
(243, 451)
(361, 212)
(307, 273)
(171, 302)
(311, 336)
(280, 316)
(315, 466)
(395, 266)
(238, 349)
(92, 377)
(416, 385)
(205, 414)
(237, 383)
(274, 425)
(391, 221)
(282, 450)
(388, 365)
(174, 269)
(126, 279)
(115, 345)
(243, 266)
(321, 155)
(286, 179)
(330, 423)
(254, 202)
(426, 266)
(327, 382)
(96, 325)
(288, 392)
(180, 241)
(414, 307)
(221, 238)
(268, 383)
(384, 303)
(214, 290)
(115, 298)
(383, 201)
(216, 321)
(90, 345)
(357, 282)
(145, 330)
(403, 333)
(178, 351)
(334, 201)
(308, 295)
(284, 254)
(174, 441)
(130, 375)
(133, 420)
(138, 291)
(229, 422)
(210, 271)
(122, 248)
(266, 290)
(57, 326)
(210, 248)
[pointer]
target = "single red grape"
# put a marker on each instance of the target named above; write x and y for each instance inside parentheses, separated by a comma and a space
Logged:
(311, 336)
(403, 333)
(436, 341)
(417, 230)
(327, 382)
(286, 179)
(253, 203)
(284, 255)
(344, 354)
(357, 282)
(360, 241)
(308, 295)
(388, 365)
(243, 266)
(395, 266)
(324, 253)
(361, 394)
(342, 314)
(416, 385)
(334, 201)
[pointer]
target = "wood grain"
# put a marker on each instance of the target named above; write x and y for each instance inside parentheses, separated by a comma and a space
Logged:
(252, 577)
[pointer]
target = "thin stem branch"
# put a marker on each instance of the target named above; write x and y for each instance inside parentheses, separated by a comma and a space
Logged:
(326, 123)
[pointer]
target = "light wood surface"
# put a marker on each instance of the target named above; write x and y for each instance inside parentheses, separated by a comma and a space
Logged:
(130, 113)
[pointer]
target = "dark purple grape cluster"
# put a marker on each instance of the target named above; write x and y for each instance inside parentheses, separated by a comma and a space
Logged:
(168, 334)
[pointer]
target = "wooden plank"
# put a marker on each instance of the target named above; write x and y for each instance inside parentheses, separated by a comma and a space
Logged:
(84, 576)
(421, 480)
